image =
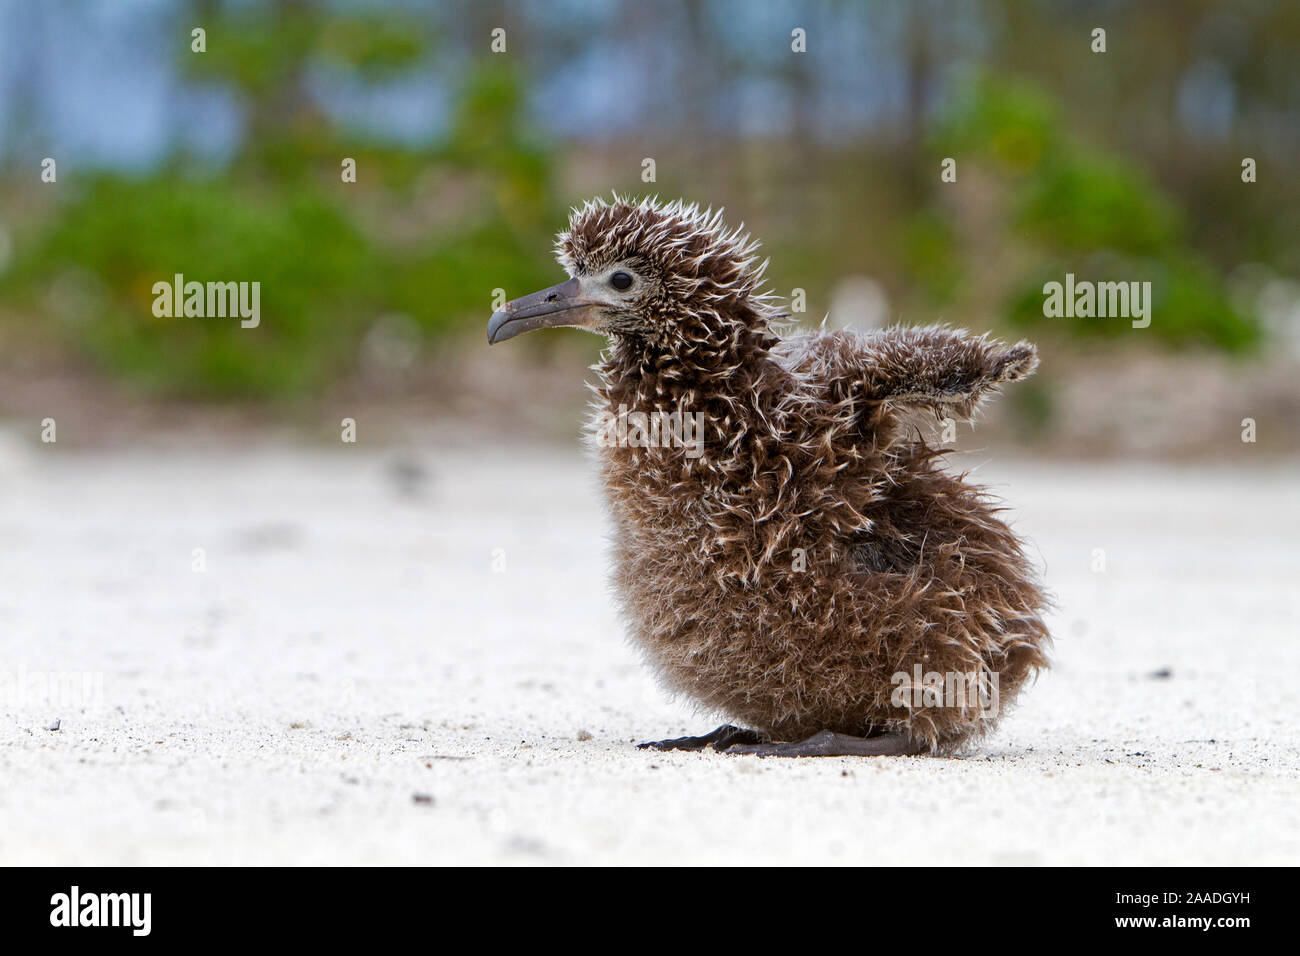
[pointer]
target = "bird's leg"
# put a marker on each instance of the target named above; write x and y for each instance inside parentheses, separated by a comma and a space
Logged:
(830, 744)
(720, 739)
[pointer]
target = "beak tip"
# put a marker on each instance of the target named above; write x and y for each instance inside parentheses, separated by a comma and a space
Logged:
(560, 305)
(499, 318)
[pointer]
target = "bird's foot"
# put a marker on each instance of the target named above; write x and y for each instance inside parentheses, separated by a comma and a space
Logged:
(830, 744)
(720, 739)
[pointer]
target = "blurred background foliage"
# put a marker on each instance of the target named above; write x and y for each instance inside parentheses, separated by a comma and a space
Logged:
(225, 166)
(1084, 210)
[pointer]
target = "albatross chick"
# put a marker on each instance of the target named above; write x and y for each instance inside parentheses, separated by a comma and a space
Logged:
(787, 550)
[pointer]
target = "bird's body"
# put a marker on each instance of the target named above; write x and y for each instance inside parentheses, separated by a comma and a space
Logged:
(802, 563)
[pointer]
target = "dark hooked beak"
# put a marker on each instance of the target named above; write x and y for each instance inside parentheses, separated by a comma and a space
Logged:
(560, 305)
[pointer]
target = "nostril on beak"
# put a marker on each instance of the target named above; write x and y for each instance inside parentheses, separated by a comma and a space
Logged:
(552, 297)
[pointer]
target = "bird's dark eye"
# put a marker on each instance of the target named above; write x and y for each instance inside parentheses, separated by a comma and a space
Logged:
(621, 281)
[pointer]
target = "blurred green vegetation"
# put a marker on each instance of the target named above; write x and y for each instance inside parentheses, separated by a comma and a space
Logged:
(1073, 208)
(333, 258)
(429, 230)
(316, 272)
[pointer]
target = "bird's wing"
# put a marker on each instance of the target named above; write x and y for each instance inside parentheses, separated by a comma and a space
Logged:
(949, 370)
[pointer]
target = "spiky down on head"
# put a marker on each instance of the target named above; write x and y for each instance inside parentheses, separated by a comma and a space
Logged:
(670, 278)
(683, 262)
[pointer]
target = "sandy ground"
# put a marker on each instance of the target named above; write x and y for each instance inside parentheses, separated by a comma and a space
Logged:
(412, 658)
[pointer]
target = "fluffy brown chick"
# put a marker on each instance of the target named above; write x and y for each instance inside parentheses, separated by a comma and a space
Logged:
(787, 551)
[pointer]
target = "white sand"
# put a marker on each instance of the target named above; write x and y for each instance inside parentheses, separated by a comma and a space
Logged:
(350, 646)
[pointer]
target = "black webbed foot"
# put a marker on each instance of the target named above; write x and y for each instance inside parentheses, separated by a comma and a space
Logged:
(830, 744)
(720, 739)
